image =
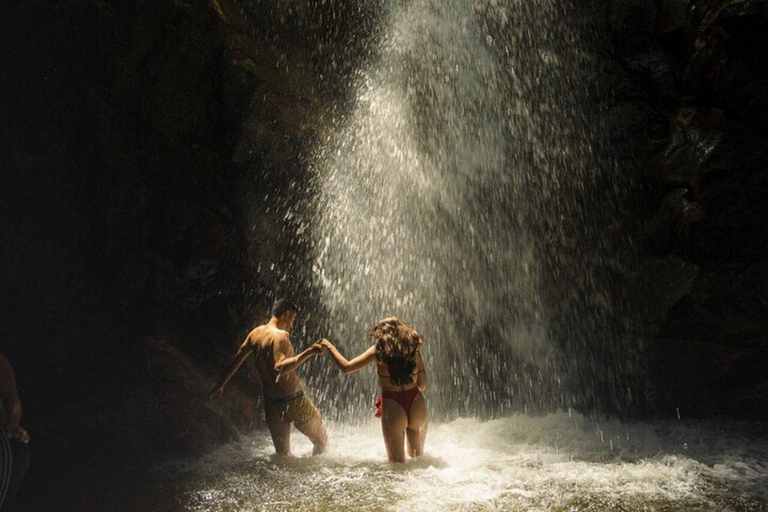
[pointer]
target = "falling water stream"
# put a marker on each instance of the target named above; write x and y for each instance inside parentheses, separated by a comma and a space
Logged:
(471, 191)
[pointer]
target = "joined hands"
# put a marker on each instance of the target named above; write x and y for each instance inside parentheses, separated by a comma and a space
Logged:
(317, 347)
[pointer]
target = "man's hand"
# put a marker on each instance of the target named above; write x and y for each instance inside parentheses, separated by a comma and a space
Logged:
(316, 348)
(326, 344)
(19, 434)
(216, 393)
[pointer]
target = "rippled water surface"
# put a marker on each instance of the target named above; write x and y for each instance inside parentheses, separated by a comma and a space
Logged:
(556, 462)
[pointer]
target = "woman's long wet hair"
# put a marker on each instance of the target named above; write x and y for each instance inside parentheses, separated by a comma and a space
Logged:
(397, 344)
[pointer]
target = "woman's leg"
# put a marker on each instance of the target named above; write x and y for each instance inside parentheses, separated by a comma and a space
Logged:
(393, 424)
(417, 427)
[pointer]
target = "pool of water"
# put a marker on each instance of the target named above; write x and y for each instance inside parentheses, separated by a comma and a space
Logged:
(559, 462)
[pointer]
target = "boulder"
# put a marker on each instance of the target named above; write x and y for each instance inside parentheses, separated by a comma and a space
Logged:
(145, 402)
(694, 144)
(727, 307)
(166, 412)
(658, 74)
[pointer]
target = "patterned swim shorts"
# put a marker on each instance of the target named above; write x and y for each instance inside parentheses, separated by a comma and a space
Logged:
(296, 408)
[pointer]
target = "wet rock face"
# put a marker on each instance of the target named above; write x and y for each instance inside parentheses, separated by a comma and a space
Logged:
(705, 236)
(166, 412)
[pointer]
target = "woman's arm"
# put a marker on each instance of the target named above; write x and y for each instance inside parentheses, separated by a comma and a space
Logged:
(421, 381)
(355, 364)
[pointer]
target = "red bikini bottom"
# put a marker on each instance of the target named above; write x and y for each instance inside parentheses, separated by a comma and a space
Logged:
(404, 398)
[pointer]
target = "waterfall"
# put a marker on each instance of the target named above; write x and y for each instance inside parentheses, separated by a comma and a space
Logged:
(469, 191)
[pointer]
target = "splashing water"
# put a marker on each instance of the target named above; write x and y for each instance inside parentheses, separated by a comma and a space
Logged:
(555, 462)
(460, 195)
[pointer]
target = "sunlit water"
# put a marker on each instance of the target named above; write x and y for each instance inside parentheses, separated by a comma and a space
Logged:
(555, 462)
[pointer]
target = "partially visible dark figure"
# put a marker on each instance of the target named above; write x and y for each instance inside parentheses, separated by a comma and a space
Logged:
(14, 440)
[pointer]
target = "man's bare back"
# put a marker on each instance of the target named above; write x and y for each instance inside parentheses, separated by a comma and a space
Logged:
(269, 344)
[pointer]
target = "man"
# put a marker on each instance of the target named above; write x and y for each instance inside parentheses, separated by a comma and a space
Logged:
(14, 452)
(284, 399)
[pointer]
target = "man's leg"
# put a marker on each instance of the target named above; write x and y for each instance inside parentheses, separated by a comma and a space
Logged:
(279, 429)
(315, 431)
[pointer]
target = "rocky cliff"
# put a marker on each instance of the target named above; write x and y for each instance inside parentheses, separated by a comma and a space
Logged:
(695, 98)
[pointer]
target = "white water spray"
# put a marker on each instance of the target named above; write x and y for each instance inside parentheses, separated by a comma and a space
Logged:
(457, 195)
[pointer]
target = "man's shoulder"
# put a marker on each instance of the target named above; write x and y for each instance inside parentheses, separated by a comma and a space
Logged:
(280, 336)
(265, 333)
(257, 330)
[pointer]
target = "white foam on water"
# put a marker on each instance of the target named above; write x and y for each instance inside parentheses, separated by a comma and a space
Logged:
(552, 462)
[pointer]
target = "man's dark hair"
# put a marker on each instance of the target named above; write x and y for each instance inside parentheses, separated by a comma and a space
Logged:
(283, 305)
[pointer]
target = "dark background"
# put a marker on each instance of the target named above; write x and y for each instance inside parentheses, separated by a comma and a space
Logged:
(141, 143)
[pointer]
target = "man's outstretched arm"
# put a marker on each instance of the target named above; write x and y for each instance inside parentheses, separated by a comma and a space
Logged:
(243, 352)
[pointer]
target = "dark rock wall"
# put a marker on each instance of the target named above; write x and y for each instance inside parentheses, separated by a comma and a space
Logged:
(136, 139)
(142, 147)
(117, 210)
(152, 155)
(695, 92)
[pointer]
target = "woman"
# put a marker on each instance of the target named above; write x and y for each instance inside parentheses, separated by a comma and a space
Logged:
(401, 406)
